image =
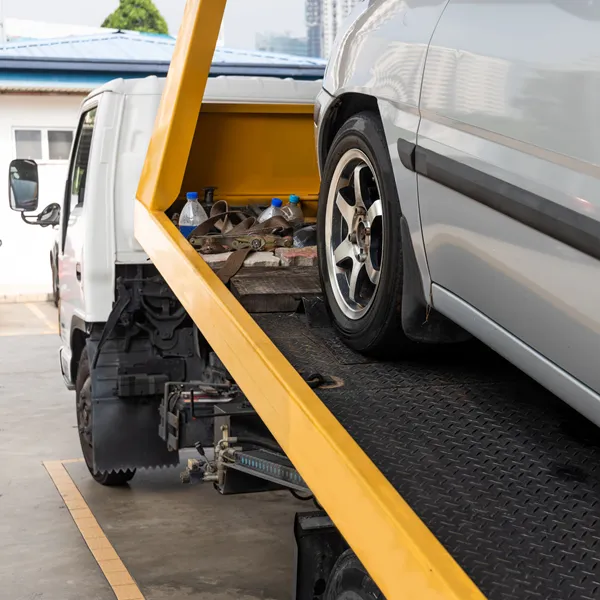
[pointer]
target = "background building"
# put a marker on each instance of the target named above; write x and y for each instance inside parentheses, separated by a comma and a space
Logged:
(42, 84)
(334, 13)
(283, 44)
(314, 27)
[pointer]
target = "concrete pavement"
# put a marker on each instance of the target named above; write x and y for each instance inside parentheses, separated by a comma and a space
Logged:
(42, 555)
(178, 542)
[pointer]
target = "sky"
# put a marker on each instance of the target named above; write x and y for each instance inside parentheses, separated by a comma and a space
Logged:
(243, 18)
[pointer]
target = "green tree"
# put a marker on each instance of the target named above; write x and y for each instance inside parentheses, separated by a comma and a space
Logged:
(137, 15)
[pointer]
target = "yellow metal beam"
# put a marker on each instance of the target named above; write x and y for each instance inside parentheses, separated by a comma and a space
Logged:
(169, 148)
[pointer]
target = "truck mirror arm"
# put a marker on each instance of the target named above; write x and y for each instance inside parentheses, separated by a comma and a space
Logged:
(50, 216)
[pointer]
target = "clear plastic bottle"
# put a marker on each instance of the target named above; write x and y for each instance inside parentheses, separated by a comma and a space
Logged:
(293, 211)
(192, 215)
(273, 211)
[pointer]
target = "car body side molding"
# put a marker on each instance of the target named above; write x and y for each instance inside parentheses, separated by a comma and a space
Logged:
(559, 222)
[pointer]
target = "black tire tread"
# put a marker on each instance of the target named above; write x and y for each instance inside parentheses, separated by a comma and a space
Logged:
(107, 478)
(349, 575)
(55, 287)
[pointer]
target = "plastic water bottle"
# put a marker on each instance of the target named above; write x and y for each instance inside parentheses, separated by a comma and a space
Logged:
(273, 211)
(292, 211)
(192, 215)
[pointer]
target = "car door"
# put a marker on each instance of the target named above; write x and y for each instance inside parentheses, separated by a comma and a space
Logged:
(508, 163)
(72, 225)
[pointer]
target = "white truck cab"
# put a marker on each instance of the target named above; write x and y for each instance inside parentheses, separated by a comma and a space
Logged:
(124, 334)
(96, 219)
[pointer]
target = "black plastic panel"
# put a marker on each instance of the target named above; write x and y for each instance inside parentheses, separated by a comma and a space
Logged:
(504, 474)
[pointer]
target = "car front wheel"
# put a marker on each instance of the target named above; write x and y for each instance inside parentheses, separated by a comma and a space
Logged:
(359, 239)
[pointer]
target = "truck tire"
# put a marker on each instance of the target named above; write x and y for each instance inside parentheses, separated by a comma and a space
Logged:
(349, 580)
(359, 240)
(55, 282)
(83, 395)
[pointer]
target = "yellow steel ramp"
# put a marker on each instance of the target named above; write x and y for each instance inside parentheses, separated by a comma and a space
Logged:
(254, 152)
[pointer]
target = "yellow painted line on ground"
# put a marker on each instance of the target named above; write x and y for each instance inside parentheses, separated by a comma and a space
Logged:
(42, 317)
(118, 577)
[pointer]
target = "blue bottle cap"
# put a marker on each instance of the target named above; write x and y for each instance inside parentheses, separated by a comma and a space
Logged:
(192, 195)
(294, 199)
(276, 202)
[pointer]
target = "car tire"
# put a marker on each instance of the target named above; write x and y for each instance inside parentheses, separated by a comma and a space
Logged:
(349, 580)
(366, 309)
(83, 395)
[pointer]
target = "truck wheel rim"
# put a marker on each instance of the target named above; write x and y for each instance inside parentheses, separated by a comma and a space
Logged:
(354, 234)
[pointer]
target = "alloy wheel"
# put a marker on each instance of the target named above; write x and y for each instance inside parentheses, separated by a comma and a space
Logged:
(354, 234)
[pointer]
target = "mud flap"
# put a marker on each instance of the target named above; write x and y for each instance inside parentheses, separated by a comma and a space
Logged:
(420, 321)
(124, 431)
(125, 436)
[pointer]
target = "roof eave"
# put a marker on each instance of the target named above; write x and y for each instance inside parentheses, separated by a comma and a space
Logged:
(28, 63)
(24, 89)
(160, 68)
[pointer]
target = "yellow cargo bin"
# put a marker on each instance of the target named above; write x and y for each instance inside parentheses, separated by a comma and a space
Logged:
(239, 149)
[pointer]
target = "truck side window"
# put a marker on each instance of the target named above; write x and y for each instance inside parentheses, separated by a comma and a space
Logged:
(81, 158)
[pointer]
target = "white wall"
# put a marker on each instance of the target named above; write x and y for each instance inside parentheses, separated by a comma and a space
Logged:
(25, 250)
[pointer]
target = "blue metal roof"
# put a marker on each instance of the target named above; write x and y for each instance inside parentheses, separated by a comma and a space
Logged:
(109, 46)
(133, 47)
(81, 63)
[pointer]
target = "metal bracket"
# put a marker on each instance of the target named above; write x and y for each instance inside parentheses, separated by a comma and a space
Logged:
(318, 546)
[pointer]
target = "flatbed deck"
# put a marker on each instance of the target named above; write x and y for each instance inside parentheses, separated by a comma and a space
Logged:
(504, 474)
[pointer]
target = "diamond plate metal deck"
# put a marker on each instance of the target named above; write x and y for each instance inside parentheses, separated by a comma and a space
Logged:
(504, 474)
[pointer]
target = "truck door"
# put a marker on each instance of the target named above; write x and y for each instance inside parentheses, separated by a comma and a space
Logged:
(508, 159)
(72, 229)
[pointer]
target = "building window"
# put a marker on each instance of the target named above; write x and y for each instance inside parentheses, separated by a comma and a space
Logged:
(59, 144)
(43, 144)
(28, 143)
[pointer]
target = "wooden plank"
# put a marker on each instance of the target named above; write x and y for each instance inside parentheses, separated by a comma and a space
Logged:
(262, 290)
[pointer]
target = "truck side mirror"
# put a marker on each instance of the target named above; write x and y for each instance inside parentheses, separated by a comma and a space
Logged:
(23, 185)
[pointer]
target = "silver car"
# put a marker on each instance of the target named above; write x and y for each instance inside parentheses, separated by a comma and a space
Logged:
(459, 146)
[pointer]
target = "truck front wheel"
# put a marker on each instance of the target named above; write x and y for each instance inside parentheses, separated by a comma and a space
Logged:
(83, 394)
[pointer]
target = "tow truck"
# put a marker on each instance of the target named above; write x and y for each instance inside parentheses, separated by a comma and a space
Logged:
(451, 478)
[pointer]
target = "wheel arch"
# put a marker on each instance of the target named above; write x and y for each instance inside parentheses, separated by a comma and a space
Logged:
(342, 108)
(79, 336)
